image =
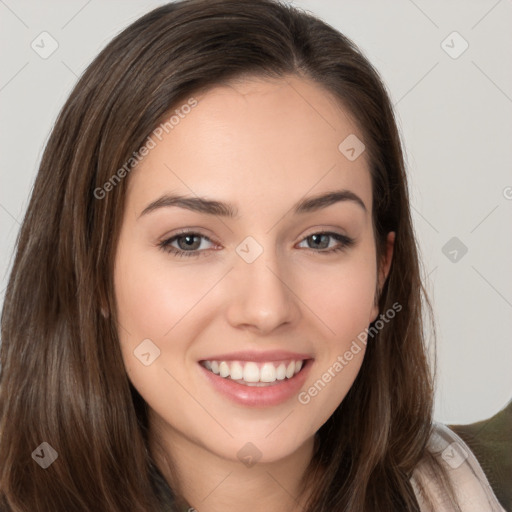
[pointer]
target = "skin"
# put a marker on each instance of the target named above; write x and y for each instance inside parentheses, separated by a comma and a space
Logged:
(246, 143)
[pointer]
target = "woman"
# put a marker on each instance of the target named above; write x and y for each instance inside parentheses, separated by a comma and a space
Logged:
(172, 335)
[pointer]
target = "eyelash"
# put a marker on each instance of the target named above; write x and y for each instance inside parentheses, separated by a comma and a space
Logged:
(165, 245)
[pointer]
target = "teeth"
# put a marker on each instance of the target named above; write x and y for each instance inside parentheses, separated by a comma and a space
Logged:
(281, 372)
(268, 372)
(252, 373)
(290, 371)
(237, 371)
(223, 369)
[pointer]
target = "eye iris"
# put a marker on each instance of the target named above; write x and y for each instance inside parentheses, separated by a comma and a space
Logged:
(317, 237)
(189, 243)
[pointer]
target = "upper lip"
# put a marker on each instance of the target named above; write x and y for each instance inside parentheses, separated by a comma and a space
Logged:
(271, 355)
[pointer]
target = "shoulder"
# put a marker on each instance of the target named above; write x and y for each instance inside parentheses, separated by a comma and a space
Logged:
(465, 475)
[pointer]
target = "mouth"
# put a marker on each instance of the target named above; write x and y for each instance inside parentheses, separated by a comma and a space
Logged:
(256, 383)
(256, 374)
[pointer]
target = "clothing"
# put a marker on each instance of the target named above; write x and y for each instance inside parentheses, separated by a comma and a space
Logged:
(471, 486)
(491, 442)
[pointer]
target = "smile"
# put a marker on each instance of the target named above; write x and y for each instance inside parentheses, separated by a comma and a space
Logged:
(260, 383)
(252, 373)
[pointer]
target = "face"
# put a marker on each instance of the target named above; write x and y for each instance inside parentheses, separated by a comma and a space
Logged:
(237, 320)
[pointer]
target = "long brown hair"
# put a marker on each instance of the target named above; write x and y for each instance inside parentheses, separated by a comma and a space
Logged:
(62, 378)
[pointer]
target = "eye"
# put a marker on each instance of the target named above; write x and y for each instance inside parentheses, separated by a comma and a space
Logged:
(188, 244)
(322, 239)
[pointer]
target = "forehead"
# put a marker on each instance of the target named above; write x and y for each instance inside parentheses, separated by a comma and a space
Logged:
(254, 139)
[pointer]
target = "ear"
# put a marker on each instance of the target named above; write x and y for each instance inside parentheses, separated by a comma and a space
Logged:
(385, 265)
(104, 309)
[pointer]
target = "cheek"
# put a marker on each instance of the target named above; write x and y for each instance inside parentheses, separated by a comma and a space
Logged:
(151, 298)
(342, 299)
(151, 305)
(342, 295)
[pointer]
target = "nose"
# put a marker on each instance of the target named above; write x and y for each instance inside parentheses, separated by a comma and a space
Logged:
(262, 297)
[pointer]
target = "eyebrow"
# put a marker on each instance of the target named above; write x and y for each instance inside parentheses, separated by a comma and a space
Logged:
(212, 207)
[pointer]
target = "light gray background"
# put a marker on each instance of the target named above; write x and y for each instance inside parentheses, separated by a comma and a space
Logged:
(455, 115)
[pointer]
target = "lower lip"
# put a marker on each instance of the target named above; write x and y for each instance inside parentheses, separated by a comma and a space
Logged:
(253, 396)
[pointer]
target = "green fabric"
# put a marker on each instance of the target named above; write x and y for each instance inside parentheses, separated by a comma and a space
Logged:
(491, 442)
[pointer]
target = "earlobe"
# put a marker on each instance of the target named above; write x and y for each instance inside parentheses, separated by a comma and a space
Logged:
(388, 258)
(384, 268)
(104, 310)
